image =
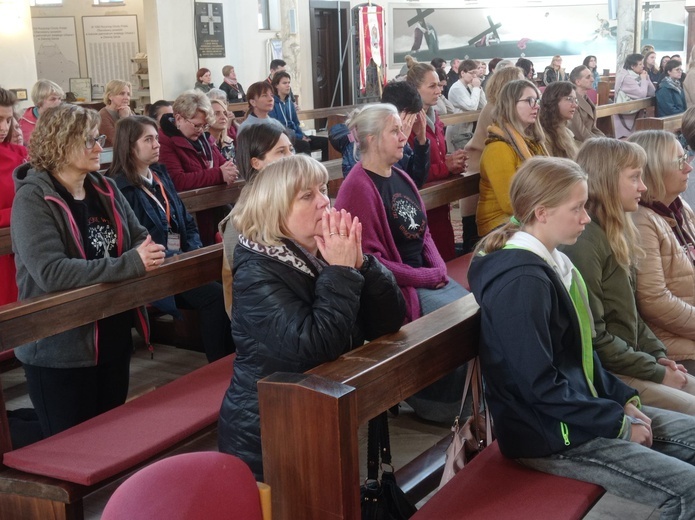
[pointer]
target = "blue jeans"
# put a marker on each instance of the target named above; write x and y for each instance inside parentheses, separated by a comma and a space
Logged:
(441, 401)
(661, 476)
(433, 299)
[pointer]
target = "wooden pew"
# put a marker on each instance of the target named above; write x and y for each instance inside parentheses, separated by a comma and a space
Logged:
(48, 480)
(310, 422)
(321, 411)
(604, 113)
(669, 123)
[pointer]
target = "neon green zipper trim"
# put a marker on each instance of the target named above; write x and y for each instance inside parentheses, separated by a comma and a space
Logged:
(565, 433)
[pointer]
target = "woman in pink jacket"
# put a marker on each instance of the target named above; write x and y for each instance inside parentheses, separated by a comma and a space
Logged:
(632, 82)
(396, 231)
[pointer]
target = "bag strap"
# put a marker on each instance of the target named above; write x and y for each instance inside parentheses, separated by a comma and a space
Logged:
(373, 449)
(385, 441)
(469, 375)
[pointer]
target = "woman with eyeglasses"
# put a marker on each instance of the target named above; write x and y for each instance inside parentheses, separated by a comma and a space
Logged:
(558, 105)
(607, 254)
(71, 227)
(514, 136)
(670, 96)
(190, 154)
(666, 223)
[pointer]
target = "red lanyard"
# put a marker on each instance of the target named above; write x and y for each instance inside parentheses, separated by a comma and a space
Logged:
(167, 211)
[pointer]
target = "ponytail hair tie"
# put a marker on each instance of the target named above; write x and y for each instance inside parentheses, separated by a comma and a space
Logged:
(514, 221)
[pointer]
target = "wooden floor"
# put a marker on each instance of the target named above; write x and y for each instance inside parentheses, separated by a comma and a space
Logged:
(409, 435)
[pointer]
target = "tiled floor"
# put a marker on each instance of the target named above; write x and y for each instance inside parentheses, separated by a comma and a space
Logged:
(409, 436)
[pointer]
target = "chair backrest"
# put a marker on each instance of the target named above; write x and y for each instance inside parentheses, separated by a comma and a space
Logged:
(192, 486)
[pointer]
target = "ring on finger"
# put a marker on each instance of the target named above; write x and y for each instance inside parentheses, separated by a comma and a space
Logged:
(331, 234)
(342, 235)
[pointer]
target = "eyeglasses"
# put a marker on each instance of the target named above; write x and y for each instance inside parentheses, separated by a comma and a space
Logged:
(198, 128)
(532, 101)
(573, 100)
(682, 160)
(91, 141)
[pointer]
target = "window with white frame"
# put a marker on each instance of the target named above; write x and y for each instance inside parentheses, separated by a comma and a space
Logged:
(264, 14)
(44, 3)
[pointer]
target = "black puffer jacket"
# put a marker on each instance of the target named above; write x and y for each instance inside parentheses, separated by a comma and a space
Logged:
(288, 317)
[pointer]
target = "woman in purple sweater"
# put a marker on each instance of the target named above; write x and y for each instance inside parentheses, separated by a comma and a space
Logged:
(395, 230)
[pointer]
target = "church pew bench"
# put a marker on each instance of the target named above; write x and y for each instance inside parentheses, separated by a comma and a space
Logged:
(49, 479)
(604, 113)
(310, 422)
(668, 123)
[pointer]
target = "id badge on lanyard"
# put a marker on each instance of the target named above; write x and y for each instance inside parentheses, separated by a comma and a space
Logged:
(173, 241)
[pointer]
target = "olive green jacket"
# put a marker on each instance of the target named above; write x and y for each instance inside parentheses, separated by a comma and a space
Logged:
(623, 342)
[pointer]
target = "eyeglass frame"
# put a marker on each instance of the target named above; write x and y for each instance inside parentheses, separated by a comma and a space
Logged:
(205, 127)
(573, 100)
(532, 102)
(682, 160)
(90, 142)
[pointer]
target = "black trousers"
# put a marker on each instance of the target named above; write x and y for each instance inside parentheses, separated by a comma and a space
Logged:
(216, 332)
(314, 143)
(64, 397)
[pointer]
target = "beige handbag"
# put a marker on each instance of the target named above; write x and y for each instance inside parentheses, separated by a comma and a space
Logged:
(471, 437)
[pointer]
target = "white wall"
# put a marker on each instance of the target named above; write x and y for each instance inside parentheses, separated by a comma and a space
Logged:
(171, 49)
(17, 58)
(80, 8)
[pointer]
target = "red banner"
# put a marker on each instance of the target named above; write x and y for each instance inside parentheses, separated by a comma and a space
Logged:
(372, 48)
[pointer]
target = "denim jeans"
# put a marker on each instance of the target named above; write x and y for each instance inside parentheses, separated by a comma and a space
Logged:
(433, 299)
(441, 401)
(661, 476)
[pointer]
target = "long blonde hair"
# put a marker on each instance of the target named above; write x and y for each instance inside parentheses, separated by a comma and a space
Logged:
(603, 159)
(266, 201)
(661, 148)
(540, 181)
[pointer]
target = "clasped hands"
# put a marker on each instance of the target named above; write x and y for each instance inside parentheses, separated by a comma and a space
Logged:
(340, 242)
(230, 173)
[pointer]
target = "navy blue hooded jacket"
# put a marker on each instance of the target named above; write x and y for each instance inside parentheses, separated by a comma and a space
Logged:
(531, 357)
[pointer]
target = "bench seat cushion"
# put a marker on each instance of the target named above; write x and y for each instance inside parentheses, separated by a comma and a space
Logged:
(493, 487)
(130, 434)
(457, 269)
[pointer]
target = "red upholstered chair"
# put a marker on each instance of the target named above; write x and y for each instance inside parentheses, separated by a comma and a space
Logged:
(192, 486)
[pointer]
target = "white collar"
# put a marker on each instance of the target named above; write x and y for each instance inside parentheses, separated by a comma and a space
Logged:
(557, 260)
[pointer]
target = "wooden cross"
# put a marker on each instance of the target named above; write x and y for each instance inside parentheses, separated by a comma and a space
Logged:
(492, 30)
(210, 19)
(420, 17)
(648, 8)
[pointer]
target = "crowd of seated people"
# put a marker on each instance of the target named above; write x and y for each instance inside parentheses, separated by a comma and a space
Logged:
(305, 283)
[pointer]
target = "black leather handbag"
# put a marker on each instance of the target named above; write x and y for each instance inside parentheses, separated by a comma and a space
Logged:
(382, 499)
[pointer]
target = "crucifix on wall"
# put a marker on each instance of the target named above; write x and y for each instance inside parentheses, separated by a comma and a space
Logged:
(209, 30)
(648, 8)
(210, 19)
